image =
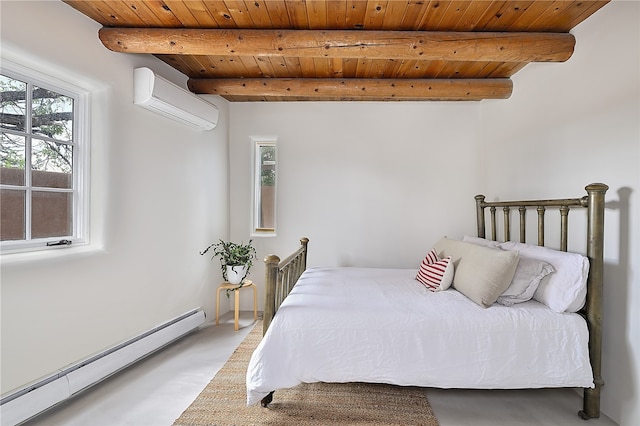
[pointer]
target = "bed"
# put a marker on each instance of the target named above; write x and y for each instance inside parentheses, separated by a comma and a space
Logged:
(477, 313)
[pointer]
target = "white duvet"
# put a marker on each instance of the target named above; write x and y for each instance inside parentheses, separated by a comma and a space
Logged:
(383, 326)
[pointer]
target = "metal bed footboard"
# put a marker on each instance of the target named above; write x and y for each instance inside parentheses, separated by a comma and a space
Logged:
(280, 277)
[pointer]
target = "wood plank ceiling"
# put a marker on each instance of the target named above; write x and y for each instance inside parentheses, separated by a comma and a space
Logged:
(339, 50)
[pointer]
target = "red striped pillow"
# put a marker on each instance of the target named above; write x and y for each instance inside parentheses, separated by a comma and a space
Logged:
(435, 273)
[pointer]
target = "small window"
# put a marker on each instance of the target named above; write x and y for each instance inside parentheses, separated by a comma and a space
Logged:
(264, 222)
(42, 162)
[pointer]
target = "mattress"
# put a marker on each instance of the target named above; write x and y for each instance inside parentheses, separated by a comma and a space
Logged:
(382, 326)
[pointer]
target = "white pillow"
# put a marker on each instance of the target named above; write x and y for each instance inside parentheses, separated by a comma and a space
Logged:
(481, 273)
(564, 290)
(435, 273)
(526, 280)
(481, 241)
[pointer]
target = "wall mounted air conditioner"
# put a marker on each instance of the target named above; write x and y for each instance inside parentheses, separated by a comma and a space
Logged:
(163, 97)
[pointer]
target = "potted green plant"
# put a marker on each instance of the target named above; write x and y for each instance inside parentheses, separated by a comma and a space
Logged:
(236, 259)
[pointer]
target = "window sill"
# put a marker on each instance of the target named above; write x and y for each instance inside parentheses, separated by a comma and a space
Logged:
(263, 234)
(52, 254)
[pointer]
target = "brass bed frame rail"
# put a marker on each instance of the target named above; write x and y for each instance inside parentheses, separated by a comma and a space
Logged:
(592, 311)
(280, 277)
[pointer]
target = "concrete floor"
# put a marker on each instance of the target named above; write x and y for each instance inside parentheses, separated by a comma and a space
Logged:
(158, 389)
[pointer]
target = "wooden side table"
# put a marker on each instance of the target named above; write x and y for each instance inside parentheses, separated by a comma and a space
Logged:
(236, 296)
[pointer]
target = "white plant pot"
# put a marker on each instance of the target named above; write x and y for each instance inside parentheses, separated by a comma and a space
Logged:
(235, 274)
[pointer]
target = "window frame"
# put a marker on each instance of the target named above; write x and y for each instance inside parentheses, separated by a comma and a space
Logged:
(80, 161)
(257, 143)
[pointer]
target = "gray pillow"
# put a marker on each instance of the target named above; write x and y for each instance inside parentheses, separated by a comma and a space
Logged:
(526, 280)
(482, 274)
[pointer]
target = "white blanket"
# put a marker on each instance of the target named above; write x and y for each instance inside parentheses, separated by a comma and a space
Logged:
(383, 326)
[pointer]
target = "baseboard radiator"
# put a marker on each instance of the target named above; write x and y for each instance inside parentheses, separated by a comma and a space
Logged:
(33, 399)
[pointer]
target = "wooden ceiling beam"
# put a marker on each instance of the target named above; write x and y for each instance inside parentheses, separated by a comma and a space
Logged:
(410, 45)
(352, 88)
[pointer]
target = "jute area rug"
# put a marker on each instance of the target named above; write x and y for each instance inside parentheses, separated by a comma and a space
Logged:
(223, 401)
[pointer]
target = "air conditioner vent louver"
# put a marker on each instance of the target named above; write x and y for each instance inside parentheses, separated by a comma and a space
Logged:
(163, 97)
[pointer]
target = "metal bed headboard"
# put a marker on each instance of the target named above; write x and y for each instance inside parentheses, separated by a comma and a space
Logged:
(592, 311)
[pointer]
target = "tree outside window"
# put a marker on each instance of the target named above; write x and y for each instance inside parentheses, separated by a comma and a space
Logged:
(265, 193)
(37, 153)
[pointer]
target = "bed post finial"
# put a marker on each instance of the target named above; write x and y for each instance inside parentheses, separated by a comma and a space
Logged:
(480, 215)
(593, 307)
(270, 275)
(304, 241)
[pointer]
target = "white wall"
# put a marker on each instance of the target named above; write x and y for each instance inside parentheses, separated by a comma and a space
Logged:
(368, 183)
(377, 183)
(159, 195)
(570, 124)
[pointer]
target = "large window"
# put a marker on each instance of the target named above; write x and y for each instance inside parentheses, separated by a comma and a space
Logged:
(42, 162)
(264, 215)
